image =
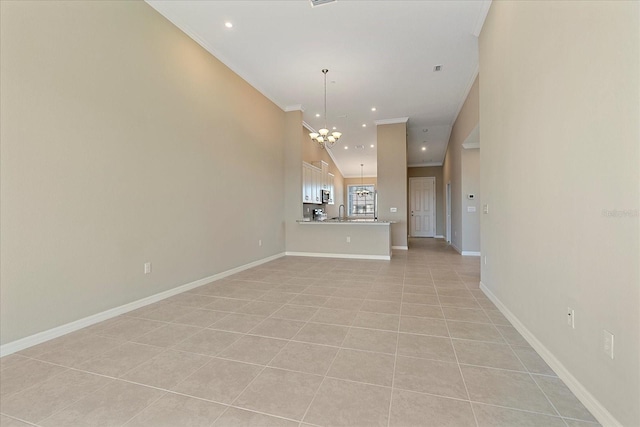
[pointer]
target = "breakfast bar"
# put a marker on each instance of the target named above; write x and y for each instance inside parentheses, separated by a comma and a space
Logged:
(343, 238)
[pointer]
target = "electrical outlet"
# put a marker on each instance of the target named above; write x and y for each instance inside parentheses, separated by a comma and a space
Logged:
(608, 343)
(348, 239)
(485, 208)
(571, 317)
(147, 267)
(260, 242)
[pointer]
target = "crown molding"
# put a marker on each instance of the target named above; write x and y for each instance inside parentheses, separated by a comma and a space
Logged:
(422, 165)
(392, 121)
(482, 17)
(307, 126)
(358, 176)
(296, 107)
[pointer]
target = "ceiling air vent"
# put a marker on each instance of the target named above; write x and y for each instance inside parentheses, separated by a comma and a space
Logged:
(315, 3)
(437, 68)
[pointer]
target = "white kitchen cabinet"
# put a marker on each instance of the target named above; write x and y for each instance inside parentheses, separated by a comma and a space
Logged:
(324, 168)
(311, 184)
(331, 186)
(317, 185)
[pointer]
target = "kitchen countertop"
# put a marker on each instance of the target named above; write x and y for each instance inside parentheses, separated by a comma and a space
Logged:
(355, 221)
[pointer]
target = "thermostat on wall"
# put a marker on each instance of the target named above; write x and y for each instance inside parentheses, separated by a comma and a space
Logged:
(471, 196)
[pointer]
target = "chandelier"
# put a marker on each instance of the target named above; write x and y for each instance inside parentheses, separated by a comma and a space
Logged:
(322, 137)
(362, 192)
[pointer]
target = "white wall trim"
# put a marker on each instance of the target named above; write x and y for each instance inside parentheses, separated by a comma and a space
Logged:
(438, 236)
(486, 4)
(456, 248)
(470, 145)
(465, 95)
(296, 107)
(58, 331)
(392, 121)
(470, 253)
(587, 399)
(308, 126)
(400, 248)
(346, 256)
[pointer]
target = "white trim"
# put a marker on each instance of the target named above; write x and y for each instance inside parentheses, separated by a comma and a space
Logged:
(456, 248)
(58, 331)
(438, 236)
(588, 400)
(470, 253)
(470, 145)
(400, 248)
(296, 107)
(346, 256)
(308, 126)
(464, 97)
(422, 165)
(391, 121)
(481, 17)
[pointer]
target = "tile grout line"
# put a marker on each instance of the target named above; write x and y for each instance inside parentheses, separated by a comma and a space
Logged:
(455, 353)
(395, 356)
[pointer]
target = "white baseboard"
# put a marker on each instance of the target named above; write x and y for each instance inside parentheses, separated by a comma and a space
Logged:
(438, 236)
(456, 248)
(588, 400)
(469, 253)
(400, 248)
(58, 331)
(346, 256)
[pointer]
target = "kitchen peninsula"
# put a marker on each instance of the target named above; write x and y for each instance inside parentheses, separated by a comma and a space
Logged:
(344, 238)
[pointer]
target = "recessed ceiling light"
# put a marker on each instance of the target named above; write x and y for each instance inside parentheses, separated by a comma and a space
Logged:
(372, 145)
(334, 128)
(228, 24)
(373, 108)
(364, 125)
(346, 148)
(424, 148)
(317, 114)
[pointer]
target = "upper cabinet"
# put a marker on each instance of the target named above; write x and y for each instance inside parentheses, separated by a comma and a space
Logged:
(315, 178)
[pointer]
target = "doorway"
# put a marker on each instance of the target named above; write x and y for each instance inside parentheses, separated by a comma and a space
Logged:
(423, 207)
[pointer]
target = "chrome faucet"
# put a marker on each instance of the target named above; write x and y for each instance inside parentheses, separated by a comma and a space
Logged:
(340, 209)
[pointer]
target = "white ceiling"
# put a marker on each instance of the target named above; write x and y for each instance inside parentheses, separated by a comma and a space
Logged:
(379, 54)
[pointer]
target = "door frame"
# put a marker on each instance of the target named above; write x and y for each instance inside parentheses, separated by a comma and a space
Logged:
(434, 198)
(448, 213)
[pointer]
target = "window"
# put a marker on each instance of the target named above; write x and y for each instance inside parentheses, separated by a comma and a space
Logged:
(361, 205)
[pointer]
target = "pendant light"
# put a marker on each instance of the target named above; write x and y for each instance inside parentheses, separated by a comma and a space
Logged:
(362, 192)
(322, 137)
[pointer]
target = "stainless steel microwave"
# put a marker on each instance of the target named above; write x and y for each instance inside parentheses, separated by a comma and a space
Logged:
(326, 195)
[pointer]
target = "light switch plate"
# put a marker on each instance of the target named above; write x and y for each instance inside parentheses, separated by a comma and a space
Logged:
(471, 208)
(393, 209)
(485, 209)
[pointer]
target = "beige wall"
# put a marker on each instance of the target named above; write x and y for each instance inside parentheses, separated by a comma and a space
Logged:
(392, 179)
(560, 132)
(123, 141)
(311, 152)
(435, 172)
(452, 168)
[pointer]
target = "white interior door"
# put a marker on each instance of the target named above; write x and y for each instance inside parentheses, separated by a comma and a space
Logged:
(423, 206)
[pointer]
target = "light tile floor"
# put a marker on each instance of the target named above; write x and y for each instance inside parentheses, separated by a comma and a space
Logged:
(300, 342)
